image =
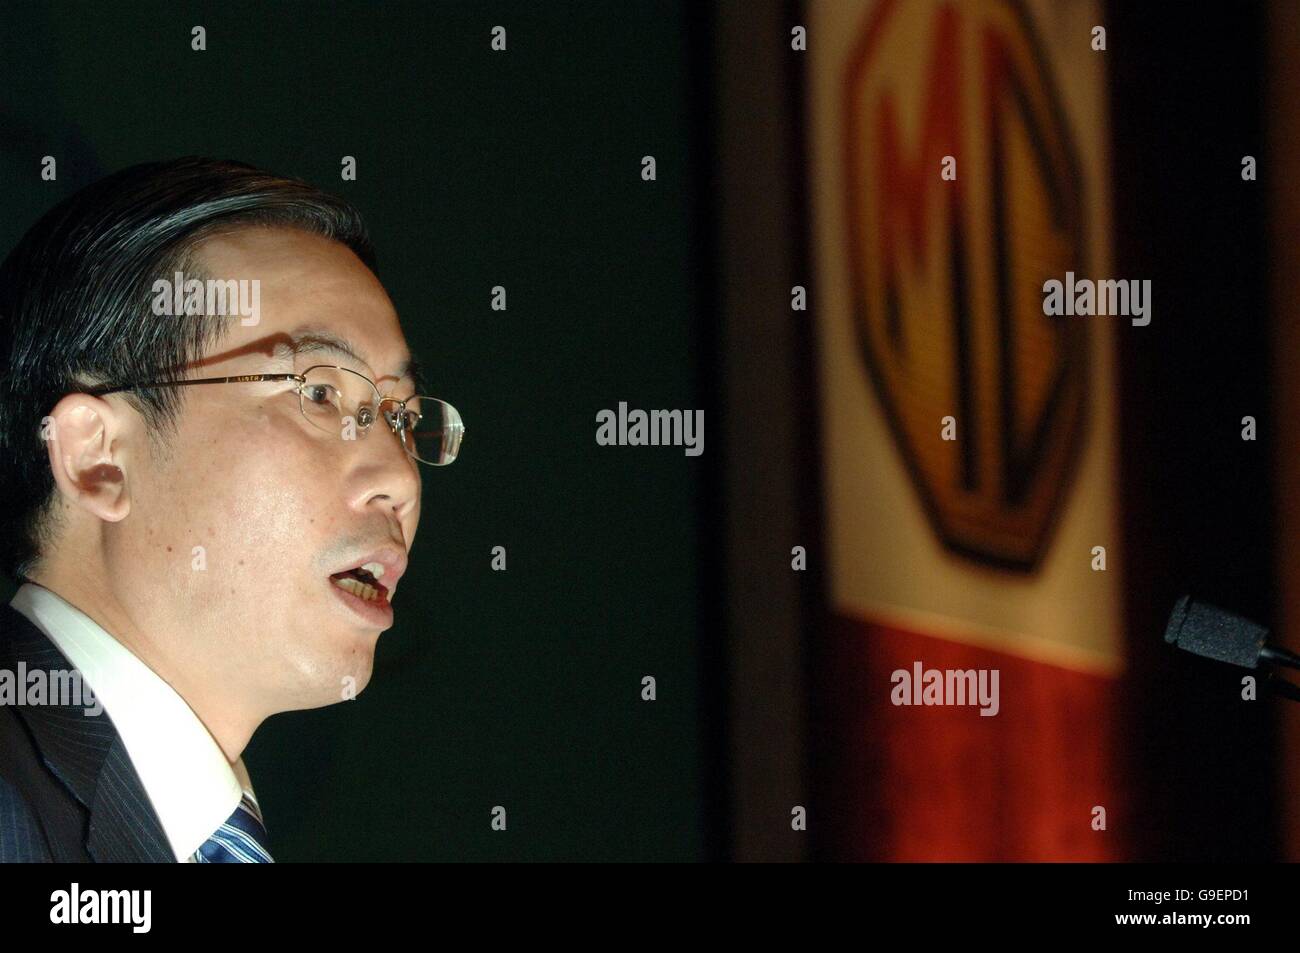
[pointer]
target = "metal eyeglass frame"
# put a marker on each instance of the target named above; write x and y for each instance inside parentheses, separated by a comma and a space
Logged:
(397, 424)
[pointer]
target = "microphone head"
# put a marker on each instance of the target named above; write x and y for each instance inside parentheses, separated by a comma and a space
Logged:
(1215, 633)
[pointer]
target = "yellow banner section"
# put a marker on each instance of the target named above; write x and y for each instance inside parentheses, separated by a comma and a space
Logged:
(960, 167)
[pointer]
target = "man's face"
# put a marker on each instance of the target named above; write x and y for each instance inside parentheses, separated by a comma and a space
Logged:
(277, 506)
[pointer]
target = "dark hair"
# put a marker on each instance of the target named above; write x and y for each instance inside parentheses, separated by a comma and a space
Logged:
(75, 305)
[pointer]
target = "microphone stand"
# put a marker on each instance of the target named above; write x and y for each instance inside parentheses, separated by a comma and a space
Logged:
(1275, 654)
(1281, 656)
(1281, 686)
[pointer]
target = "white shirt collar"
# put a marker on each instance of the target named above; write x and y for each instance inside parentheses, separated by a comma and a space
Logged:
(192, 787)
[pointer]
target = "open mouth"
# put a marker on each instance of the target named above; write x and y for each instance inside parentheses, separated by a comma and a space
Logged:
(363, 582)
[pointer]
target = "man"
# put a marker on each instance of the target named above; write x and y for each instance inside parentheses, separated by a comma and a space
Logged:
(212, 463)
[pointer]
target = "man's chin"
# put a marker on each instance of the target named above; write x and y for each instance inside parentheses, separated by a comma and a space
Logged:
(321, 695)
(356, 672)
(341, 676)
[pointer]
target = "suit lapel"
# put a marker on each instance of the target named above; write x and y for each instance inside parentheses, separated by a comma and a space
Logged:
(123, 825)
(86, 754)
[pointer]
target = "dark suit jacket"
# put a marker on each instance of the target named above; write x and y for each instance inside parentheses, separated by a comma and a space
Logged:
(68, 791)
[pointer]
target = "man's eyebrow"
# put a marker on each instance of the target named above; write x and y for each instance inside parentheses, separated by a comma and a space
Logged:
(412, 371)
(321, 341)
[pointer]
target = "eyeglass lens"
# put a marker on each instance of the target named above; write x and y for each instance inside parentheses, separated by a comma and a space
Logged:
(345, 403)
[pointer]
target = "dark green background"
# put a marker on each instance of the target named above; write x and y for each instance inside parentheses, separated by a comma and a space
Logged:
(475, 169)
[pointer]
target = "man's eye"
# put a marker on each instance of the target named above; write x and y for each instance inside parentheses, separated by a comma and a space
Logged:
(318, 393)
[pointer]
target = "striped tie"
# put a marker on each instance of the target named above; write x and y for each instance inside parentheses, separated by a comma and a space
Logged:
(241, 840)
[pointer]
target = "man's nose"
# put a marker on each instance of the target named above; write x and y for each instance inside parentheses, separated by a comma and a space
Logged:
(388, 477)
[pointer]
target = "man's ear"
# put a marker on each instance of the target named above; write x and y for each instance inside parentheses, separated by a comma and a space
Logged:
(84, 435)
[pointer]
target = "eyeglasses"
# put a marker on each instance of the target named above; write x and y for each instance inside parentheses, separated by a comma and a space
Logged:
(343, 402)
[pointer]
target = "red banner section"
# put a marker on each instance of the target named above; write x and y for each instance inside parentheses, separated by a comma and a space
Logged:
(941, 782)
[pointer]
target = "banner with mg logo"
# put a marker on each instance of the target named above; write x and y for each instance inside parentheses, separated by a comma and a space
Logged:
(958, 161)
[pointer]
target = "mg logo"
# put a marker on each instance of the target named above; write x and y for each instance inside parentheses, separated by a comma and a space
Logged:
(947, 276)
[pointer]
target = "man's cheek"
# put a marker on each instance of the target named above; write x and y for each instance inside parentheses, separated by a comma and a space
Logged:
(411, 524)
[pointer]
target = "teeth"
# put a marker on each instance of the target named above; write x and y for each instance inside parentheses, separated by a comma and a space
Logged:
(357, 588)
(375, 569)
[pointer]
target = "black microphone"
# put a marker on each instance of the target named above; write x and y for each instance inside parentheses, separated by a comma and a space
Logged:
(1224, 636)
